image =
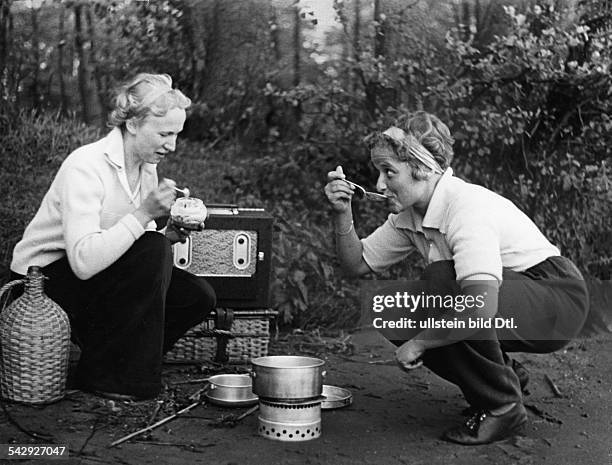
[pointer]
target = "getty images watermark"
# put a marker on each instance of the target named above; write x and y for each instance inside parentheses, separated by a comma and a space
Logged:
(391, 309)
(402, 309)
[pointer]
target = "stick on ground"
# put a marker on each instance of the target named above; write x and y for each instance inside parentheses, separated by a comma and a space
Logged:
(553, 386)
(152, 427)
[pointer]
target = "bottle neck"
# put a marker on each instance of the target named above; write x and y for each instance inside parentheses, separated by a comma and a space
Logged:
(34, 285)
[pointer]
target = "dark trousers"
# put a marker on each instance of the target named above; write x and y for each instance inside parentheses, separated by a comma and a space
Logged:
(127, 316)
(548, 297)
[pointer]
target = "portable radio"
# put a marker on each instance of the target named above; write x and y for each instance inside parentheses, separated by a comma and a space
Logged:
(233, 253)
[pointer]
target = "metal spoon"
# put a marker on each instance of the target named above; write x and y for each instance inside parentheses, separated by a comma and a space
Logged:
(367, 194)
(184, 191)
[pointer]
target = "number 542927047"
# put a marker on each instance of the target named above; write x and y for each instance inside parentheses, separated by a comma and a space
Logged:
(20, 451)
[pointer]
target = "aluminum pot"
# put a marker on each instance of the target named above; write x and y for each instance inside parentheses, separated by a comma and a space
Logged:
(286, 377)
(232, 390)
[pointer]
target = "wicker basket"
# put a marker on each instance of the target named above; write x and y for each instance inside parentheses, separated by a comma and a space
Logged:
(34, 343)
(242, 336)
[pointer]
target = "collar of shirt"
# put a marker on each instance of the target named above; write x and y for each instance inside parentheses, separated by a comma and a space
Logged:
(410, 219)
(114, 149)
(116, 157)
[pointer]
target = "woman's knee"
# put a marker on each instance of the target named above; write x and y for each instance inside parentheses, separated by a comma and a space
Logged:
(154, 247)
(207, 295)
(149, 258)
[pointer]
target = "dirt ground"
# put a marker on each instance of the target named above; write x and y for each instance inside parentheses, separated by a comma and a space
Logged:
(396, 417)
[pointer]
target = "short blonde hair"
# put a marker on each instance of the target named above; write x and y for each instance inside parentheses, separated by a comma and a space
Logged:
(400, 150)
(432, 133)
(146, 94)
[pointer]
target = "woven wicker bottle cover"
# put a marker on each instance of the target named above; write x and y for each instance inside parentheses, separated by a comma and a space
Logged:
(35, 344)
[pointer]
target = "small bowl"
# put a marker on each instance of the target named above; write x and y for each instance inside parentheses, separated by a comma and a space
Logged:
(232, 390)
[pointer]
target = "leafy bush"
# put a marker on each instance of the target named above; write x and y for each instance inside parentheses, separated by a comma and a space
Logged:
(534, 125)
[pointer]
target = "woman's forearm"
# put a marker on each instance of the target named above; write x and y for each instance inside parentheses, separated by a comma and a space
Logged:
(348, 245)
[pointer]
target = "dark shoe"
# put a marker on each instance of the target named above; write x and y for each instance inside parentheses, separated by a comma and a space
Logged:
(523, 377)
(484, 428)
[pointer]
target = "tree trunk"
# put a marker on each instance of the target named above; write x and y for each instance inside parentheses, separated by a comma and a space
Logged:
(82, 70)
(5, 12)
(357, 27)
(372, 86)
(64, 104)
(297, 56)
(13, 79)
(101, 91)
(5, 9)
(187, 26)
(34, 91)
(379, 35)
(274, 35)
(211, 46)
(357, 34)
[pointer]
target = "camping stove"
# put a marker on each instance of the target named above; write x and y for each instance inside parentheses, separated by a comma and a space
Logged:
(290, 420)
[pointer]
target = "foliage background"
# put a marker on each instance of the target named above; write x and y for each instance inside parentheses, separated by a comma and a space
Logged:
(278, 102)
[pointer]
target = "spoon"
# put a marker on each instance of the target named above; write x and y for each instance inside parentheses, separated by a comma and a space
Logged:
(367, 194)
(184, 191)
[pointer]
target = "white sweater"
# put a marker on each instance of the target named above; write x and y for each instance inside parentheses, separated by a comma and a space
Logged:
(87, 212)
(481, 231)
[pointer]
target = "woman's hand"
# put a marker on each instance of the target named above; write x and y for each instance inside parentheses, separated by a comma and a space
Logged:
(339, 193)
(409, 354)
(175, 233)
(158, 202)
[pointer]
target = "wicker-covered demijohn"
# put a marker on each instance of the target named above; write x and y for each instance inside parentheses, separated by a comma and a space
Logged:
(34, 344)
